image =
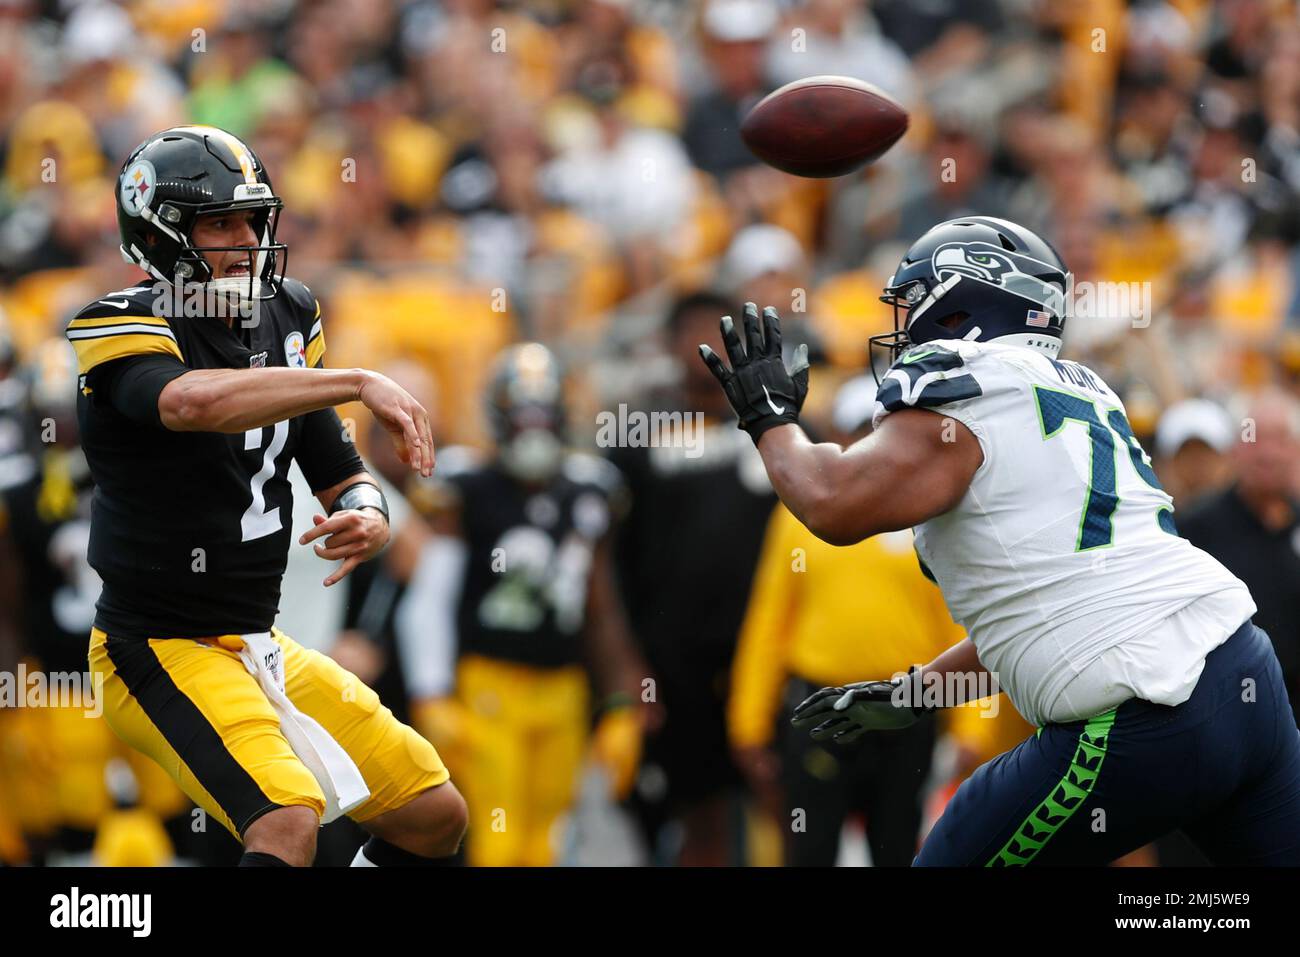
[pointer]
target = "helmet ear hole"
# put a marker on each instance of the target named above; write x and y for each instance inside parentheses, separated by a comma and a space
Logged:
(954, 320)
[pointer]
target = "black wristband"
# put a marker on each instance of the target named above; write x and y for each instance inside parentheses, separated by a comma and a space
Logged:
(361, 495)
(757, 427)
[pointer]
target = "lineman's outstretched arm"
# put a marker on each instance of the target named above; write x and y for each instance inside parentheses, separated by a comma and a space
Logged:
(917, 465)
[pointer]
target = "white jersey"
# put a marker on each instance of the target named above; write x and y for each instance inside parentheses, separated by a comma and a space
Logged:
(1063, 547)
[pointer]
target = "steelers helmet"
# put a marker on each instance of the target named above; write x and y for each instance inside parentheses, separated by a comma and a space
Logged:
(525, 409)
(180, 174)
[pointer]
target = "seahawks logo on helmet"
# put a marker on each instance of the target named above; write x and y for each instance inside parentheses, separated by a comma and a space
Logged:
(998, 267)
(980, 279)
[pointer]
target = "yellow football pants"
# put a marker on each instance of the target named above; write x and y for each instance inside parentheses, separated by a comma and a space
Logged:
(52, 765)
(522, 757)
(193, 708)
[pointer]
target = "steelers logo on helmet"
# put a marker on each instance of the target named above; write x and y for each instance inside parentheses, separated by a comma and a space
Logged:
(137, 186)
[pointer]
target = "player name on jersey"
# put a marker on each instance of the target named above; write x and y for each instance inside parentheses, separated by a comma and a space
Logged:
(1072, 373)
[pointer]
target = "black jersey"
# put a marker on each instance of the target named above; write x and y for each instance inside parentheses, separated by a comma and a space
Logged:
(190, 531)
(529, 555)
(686, 578)
(48, 519)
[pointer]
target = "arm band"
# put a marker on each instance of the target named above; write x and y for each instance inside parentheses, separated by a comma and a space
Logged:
(361, 495)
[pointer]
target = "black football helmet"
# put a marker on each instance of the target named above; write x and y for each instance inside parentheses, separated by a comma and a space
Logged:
(977, 278)
(525, 408)
(179, 174)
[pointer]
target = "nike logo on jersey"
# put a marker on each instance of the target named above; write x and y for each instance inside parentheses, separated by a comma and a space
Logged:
(115, 304)
(778, 409)
(917, 357)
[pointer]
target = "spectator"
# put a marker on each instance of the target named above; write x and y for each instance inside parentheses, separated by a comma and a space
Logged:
(1254, 526)
(1193, 438)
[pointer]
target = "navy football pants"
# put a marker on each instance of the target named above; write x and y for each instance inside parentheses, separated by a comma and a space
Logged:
(1223, 766)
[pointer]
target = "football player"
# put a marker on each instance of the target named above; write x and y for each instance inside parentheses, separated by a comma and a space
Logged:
(46, 522)
(511, 599)
(1158, 702)
(197, 389)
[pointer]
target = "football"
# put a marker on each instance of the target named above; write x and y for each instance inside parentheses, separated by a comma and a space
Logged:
(823, 126)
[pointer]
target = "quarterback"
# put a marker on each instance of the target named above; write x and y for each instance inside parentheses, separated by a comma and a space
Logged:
(1159, 705)
(189, 425)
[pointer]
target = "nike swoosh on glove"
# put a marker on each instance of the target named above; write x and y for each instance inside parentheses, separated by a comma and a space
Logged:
(759, 387)
(845, 714)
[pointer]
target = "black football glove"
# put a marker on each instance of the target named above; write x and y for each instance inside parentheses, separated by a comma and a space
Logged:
(758, 386)
(845, 714)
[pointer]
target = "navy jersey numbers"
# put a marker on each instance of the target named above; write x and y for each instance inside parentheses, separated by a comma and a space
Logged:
(1055, 410)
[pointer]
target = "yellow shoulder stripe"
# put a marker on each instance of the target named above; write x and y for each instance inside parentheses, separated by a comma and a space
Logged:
(96, 351)
(316, 350)
(101, 321)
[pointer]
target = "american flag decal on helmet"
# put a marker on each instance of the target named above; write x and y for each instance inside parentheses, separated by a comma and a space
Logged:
(1036, 317)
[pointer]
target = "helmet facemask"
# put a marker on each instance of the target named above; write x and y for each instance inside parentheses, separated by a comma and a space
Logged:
(175, 219)
(889, 346)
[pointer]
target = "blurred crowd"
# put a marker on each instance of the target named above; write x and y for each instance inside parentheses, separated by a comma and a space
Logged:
(464, 175)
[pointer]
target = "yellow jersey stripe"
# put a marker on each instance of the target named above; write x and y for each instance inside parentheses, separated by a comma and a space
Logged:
(97, 350)
(103, 321)
(315, 350)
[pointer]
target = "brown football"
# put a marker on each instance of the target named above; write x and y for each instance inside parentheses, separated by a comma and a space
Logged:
(823, 126)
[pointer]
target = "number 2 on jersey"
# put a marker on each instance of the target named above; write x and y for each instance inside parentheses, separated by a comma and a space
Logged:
(258, 521)
(1096, 529)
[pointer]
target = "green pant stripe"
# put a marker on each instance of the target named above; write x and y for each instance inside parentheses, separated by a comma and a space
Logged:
(1064, 799)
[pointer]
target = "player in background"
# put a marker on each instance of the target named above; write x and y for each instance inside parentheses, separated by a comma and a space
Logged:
(511, 604)
(1159, 703)
(686, 554)
(46, 522)
(197, 390)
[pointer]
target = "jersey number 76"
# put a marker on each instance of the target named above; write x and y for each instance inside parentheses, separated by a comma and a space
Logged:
(1096, 529)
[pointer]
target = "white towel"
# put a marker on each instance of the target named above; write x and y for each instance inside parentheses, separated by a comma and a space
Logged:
(333, 769)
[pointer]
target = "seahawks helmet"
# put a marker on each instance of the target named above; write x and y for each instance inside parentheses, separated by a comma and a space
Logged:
(977, 278)
(179, 174)
(525, 408)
